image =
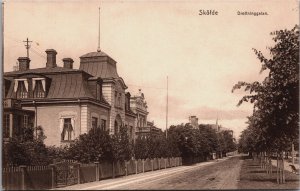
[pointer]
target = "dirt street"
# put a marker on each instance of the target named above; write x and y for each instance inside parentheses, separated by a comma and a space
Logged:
(221, 174)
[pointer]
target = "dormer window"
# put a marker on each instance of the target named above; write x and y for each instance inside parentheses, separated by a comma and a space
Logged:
(98, 91)
(21, 88)
(39, 87)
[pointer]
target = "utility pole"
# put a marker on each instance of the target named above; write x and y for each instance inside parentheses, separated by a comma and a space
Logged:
(27, 45)
(167, 109)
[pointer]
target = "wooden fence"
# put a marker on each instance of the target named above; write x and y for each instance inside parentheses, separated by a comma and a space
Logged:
(45, 177)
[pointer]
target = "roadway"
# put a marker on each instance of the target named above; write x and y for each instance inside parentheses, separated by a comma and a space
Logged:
(216, 174)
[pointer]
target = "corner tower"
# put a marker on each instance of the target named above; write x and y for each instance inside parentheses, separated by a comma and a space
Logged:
(100, 65)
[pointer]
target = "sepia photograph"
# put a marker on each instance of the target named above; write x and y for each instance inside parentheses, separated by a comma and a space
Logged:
(150, 95)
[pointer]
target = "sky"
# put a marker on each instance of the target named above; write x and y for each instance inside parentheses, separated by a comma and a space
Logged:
(202, 55)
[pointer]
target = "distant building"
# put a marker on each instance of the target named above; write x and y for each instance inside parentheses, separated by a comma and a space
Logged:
(216, 126)
(150, 129)
(193, 120)
(139, 107)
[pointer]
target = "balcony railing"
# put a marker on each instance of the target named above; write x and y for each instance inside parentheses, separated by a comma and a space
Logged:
(11, 103)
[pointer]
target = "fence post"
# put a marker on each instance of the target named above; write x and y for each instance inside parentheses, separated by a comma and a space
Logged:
(136, 171)
(143, 165)
(159, 163)
(23, 170)
(78, 173)
(97, 170)
(113, 169)
(165, 163)
(52, 166)
(152, 167)
(126, 167)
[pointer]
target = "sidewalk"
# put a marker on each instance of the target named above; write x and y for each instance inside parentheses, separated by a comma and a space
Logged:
(252, 176)
(286, 165)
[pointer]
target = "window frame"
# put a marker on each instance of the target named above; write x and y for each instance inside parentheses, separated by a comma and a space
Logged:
(70, 134)
(38, 88)
(6, 125)
(96, 120)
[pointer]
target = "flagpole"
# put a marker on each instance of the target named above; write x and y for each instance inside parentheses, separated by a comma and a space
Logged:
(2, 37)
(167, 109)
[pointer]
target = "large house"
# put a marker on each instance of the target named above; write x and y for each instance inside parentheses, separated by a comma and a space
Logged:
(67, 102)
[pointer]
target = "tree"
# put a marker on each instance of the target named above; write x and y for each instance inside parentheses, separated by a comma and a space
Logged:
(91, 147)
(25, 149)
(121, 147)
(276, 98)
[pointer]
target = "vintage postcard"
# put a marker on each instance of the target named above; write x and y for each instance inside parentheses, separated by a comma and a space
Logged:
(150, 95)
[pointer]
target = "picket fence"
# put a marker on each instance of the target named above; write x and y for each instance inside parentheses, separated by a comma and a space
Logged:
(44, 177)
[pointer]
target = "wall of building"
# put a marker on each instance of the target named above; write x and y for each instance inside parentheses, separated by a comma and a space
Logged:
(48, 117)
(96, 111)
(130, 122)
(109, 95)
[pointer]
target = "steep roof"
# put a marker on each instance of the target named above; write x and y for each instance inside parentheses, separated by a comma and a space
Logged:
(42, 71)
(68, 86)
(93, 54)
(99, 64)
(65, 83)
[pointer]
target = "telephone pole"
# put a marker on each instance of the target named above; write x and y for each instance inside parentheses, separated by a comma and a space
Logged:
(167, 109)
(27, 45)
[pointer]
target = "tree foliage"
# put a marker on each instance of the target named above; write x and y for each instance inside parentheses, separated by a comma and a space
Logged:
(275, 117)
(25, 150)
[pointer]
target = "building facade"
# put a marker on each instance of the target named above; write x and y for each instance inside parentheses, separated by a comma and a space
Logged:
(68, 102)
(193, 120)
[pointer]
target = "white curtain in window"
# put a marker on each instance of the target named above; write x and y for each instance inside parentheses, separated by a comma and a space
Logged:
(33, 83)
(61, 125)
(16, 85)
(73, 126)
(26, 85)
(44, 84)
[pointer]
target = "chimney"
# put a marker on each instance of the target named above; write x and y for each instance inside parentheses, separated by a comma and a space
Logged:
(51, 58)
(23, 63)
(68, 63)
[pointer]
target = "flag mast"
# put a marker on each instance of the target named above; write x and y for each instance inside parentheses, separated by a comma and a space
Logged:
(167, 108)
(2, 37)
(98, 49)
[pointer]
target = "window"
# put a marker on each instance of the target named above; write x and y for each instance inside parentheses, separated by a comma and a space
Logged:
(126, 103)
(25, 121)
(116, 97)
(22, 91)
(119, 100)
(103, 124)
(98, 91)
(68, 131)
(6, 125)
(39, 88)
(94, 122)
